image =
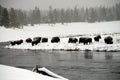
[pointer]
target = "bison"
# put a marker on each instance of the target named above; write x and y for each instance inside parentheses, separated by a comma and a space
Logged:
(36, 40)
(72, 40)
(108, 40)
(96, 38)
(44, 40)
(28, 40)
(18, 42)
(12, 43)
(55, 40)
(85, 40)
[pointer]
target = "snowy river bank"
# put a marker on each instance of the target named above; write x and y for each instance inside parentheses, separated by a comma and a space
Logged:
(64, 32)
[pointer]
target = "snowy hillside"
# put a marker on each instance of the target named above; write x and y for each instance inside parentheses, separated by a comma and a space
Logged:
(64, 32)
(59, 30)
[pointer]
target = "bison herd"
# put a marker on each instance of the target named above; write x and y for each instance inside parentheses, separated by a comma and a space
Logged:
(18, 42)
(84, 40)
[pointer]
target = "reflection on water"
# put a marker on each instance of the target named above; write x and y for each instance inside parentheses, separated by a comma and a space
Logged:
(74, 65)
(88, 55)
(108, 56)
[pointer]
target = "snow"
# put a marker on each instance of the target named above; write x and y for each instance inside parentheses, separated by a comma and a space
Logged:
(95, 46)
(12, 73)
(50, 73)
(64, 32)
(59, 30)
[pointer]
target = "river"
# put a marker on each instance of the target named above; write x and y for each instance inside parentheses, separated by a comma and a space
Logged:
(74, 65)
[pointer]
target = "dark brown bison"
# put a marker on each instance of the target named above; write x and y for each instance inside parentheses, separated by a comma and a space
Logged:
(108, 40)
(96, 38)
(12, 43)
(55, 40)
(72, 40)
(18, 42)
(85, 40)
(44, 40)
(36, 40)
(28, 40)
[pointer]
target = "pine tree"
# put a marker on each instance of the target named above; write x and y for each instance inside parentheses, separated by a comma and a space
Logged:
(56, 16)
(36, 16)
(62, 16)
(22, 17)
(76, 14)
(87, 15)
(38, 13)
(93, 15)
(51, 16)
(14, 22)
(5, 18)
(1, 10)
(68, 16)
(118, 11)
(103, 14)
(82, 15)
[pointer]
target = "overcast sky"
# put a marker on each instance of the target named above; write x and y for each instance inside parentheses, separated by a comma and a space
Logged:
(44, 4)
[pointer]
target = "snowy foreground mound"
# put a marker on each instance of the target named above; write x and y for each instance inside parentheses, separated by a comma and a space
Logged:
(11, 73)
(64, 32)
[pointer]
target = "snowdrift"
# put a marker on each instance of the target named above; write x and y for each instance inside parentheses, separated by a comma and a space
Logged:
(11, 73)
(45, 71)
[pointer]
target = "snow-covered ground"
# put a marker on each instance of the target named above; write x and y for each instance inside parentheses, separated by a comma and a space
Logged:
(64, 45)
(64, 32)
(12, 73)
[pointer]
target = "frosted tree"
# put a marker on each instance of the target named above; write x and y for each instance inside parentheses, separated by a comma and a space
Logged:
(5, 18)
(1, 10)
(118, 11)
(14, 18)
(50, 15)
(36, 16)
(62, 20)
(22, 17)
(76, 14)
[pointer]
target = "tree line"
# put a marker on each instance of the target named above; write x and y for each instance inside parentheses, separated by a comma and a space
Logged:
(17, 18)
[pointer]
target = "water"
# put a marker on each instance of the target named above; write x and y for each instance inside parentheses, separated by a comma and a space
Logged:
(74, 65)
